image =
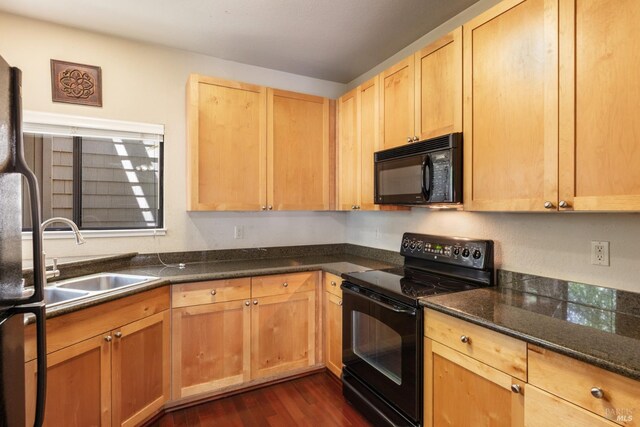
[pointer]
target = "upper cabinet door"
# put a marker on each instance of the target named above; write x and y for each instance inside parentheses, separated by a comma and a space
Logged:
(227, 142)
(298, 151)
(599, 104)
(438, 102)
(397, 99)
(369, 137)
(348, 152)
(511, 107)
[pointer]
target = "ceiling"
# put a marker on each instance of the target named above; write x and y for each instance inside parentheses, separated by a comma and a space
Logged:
(334, 40)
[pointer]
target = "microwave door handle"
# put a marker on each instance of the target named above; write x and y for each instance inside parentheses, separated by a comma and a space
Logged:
(426, 177)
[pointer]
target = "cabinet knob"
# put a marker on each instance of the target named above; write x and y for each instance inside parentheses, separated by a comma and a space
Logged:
(264, 208)
(340, 302)
(563, 204)
(118, 334)
(357, 207)
(464, 339)
(409, 140)
(213, 292)
(285, 284)
(108, 338)
(416, 139)
(548, 205)
(516, 388)
(247, 303)
(270, 207)
(333, 283)
(353, 206)
(255, 302)
(597, 392)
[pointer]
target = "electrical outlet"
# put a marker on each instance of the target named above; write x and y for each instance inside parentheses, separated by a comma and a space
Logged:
(238, 232)
(600, 253)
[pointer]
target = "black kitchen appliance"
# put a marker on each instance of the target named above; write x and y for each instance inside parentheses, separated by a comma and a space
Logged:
(422, 173)
(15, 300)
(382, 322)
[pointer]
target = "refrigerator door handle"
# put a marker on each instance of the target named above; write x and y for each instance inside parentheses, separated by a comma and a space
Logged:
(34, 195)
(39, 311)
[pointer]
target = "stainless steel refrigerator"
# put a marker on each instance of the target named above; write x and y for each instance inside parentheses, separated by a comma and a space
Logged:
(15, 300)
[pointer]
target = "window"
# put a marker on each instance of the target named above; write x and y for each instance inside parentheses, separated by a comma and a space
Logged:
(102, 174)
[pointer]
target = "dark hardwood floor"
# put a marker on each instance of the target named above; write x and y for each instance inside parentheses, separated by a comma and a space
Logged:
(315, 400)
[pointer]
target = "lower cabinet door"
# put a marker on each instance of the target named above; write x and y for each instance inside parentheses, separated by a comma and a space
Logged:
(543, 409)
(283, 329)
(211, 347)
(333, 333)
(78, 385)
(461, 391)
(140, 369)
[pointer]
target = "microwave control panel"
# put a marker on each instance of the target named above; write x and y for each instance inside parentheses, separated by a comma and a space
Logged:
(441, 187)
(451, 250)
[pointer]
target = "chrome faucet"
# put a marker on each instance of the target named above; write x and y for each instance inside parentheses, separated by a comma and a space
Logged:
(54, 272)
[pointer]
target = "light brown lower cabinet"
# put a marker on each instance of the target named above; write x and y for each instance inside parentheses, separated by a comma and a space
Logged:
(264, 329)
(211, 347)
(461, 391)
(118, 378)
(333, 323)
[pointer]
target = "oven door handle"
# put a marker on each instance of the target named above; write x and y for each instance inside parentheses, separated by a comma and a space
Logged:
(395, 308)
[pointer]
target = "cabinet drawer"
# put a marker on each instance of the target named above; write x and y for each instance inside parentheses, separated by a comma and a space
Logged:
(189, 294)
(495, 349)
(282, 284)
(574, 380)
(332, 284)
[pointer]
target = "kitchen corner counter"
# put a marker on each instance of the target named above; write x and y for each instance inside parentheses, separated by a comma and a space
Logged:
(215, 270)
(605, 337)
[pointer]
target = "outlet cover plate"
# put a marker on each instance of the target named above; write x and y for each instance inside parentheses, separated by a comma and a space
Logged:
(600, 253)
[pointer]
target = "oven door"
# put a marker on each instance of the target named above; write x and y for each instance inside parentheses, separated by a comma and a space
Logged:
(380, 347)
(405, 180)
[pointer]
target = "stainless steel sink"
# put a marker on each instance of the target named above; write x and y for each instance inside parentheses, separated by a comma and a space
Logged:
(55, 296)
(103, 282)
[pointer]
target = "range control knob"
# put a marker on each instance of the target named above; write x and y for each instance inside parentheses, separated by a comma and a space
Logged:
(405, 243)
(456, 251)
(412, 246)
(419, 247)
(465, 252)
(477, 254)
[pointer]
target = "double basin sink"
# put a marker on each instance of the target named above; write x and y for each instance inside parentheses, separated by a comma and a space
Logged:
(87, 286)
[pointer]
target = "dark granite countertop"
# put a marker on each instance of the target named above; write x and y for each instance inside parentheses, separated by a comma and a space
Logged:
(213, 270)
(599, 326)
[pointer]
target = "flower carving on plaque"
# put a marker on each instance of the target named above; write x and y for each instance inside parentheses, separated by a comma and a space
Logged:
(76, 83)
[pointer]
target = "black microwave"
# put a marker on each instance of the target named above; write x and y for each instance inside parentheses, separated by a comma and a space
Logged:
(422, 173)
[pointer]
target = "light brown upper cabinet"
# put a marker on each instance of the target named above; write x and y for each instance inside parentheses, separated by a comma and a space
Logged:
(438, 94)
(511, 107)
(297, 151)
(252, 148)
(358, 139)
(227, 145)
(396, 101)
(599, 103)
(421, 97)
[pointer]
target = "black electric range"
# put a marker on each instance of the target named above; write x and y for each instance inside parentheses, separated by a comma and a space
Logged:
(382, 330)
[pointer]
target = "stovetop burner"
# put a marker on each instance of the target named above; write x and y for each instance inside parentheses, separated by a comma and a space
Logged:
(434, 265)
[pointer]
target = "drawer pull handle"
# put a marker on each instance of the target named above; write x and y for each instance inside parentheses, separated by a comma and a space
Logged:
(464, 339)
(285, 284)
(333, 283)
(247, 303)
(118, 334)
(108, 338)
(597, 392)
(213, 292)
(340, 302)
(515, 388)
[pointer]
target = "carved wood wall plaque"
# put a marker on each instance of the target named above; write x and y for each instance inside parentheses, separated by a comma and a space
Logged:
(76, 83)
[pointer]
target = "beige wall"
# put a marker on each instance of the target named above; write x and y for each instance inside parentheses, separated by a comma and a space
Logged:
(146, 83)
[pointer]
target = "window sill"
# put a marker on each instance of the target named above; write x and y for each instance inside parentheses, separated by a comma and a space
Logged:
(90, 234)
